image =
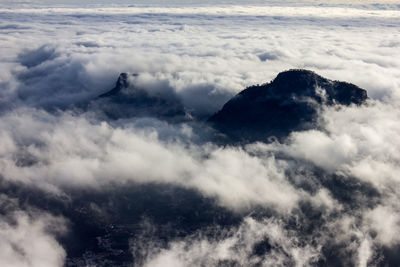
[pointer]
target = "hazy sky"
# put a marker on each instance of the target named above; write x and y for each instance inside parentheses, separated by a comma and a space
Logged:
(200, 2)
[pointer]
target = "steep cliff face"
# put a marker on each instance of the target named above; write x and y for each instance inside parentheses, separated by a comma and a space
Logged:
(289, 103)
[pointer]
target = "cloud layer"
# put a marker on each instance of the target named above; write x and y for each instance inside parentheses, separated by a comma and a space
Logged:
(321, 196)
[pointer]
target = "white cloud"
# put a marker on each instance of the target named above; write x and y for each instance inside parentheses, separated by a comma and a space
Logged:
(357, 143)
(58, 57)
(69, 150)
(182, 46)
(384, 220)
(238, 247)
(27, 239)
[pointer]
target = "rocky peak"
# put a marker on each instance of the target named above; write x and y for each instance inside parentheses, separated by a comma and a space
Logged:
(126, 100)
(121, 83)
(289, 103)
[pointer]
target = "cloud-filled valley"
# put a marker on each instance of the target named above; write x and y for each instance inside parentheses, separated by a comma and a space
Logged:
(94, 181)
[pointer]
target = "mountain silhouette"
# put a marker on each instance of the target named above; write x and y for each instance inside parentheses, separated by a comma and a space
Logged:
(289, 103)
(121, 83)
(126, 100)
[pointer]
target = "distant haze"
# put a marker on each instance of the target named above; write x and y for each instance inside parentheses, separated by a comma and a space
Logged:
(198, 2)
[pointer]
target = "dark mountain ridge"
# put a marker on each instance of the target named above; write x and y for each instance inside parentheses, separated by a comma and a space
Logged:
(288, 103)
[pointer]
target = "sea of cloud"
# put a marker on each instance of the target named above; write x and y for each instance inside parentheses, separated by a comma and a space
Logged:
(55, 60)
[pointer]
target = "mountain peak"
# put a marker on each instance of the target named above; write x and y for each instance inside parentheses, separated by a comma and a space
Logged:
(128, 100)
(122, 82)
(288, 103)
(296, 79)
